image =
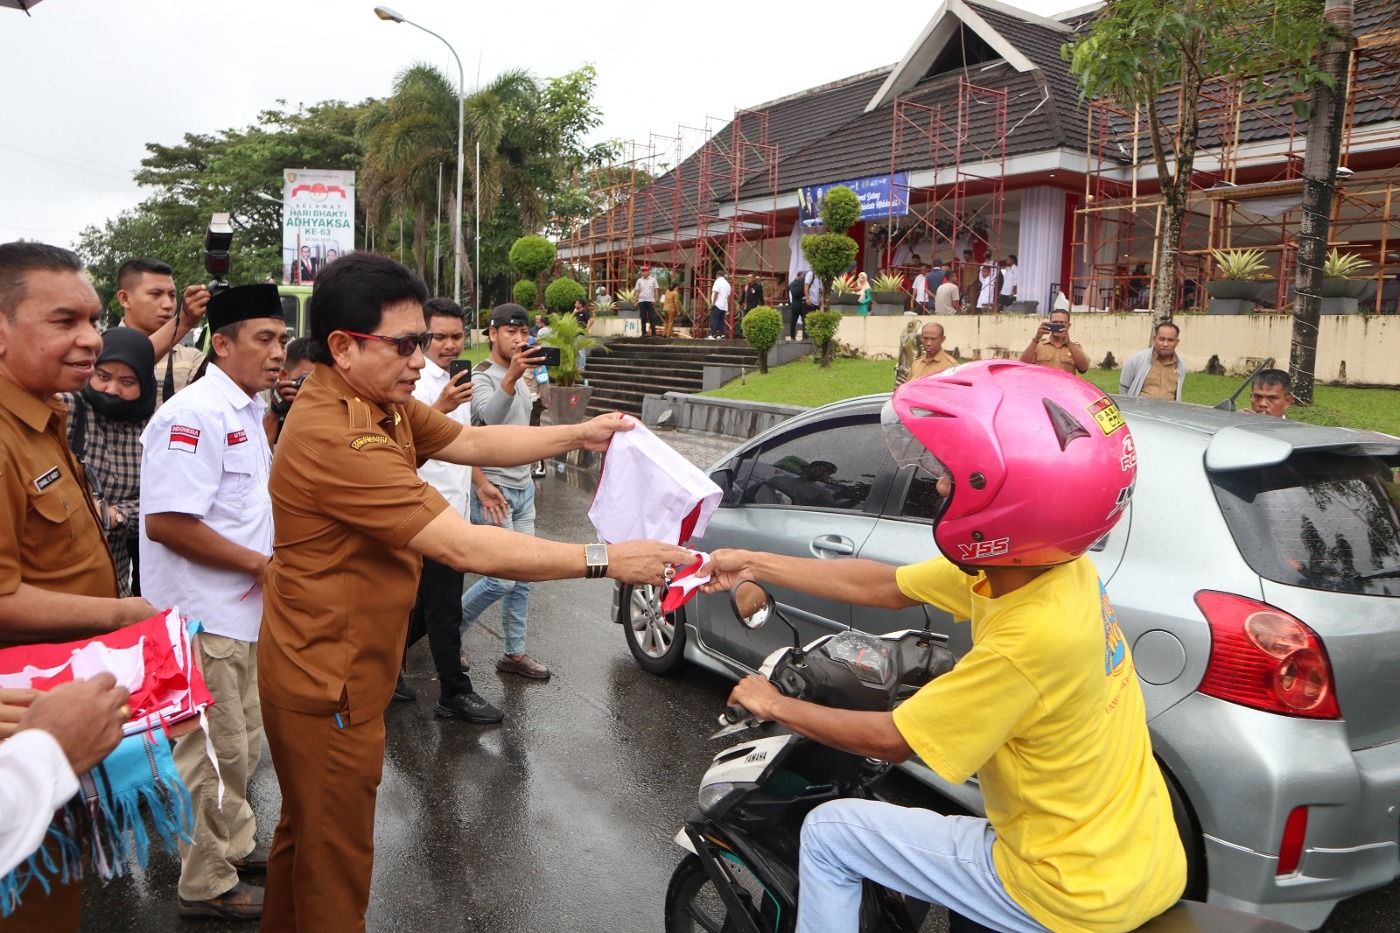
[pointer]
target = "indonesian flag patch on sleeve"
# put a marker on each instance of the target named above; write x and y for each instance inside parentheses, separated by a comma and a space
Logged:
(183, 438)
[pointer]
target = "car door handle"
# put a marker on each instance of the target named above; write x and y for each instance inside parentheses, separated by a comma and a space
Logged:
(833, 544)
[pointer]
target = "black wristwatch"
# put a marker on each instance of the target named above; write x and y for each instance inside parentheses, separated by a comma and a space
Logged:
(595, 557)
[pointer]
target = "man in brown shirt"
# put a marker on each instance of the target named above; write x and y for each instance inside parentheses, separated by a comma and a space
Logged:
(1051, 346)
(1157, 372)
(57, 581)
(352, 519)
(934, 358)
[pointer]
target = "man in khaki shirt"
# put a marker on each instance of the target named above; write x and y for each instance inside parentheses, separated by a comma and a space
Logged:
(1051, 346)
(934, 358)
(352, 518)
(1157, 372)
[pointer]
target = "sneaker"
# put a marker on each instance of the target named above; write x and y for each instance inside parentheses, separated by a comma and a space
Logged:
(403, 693)
(522, 664)
(243, 901)
(255, 860)
(468, 707)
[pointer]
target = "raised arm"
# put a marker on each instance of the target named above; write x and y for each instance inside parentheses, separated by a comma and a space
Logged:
(855, 582)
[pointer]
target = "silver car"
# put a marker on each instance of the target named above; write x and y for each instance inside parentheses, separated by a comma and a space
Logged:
(1256, 573)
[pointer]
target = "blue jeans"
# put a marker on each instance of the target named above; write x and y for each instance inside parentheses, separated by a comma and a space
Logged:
(514, 596)
(941, 859)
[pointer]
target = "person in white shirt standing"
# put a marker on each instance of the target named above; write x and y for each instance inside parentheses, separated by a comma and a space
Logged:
(1010, 280)
(921, 292)
(719, 307)
(206, 537)
(437, 611)
(647, 287)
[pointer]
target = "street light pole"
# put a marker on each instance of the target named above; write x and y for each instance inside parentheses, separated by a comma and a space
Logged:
(384, 13)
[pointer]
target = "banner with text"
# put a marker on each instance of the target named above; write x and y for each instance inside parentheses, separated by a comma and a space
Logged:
(880, 196)
(318, 221)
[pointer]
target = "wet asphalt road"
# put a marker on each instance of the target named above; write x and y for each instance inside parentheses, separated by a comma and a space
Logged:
(559, 819)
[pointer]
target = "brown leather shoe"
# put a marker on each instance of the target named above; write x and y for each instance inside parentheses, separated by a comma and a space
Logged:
(255, 860)
(241, 902)
(522, 664)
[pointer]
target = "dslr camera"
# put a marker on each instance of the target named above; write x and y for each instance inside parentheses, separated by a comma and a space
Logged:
(217, 241)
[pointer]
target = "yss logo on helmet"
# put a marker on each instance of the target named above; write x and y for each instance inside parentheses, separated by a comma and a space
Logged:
(981, 550)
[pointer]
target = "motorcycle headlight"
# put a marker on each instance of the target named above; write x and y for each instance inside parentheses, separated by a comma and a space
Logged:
(716, 799)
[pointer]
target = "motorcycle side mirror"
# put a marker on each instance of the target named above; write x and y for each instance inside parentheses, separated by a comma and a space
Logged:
(752, 604)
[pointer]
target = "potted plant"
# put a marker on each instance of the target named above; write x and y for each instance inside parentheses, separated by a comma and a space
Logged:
(604, 307)
(843, 291)
(1337, 272)
(1240, 274)
(887, 290)
(627, 302)
(564, 397)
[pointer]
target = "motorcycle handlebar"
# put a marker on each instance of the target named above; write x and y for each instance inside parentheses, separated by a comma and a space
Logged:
(735, 713)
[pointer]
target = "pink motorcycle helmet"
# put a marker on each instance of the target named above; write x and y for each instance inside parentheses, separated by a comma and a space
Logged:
(1041, 462)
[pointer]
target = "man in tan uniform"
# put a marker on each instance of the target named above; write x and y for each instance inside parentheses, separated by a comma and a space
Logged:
(352, 518)
(1157, 372)
(934, 358)
(57, 581)
(1051, 346)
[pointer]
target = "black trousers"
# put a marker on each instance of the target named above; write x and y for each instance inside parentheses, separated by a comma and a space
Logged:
(798, 316)
(648, 315)
(437, 613)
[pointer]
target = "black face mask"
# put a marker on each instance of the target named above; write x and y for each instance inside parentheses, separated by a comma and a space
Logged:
(116, 408)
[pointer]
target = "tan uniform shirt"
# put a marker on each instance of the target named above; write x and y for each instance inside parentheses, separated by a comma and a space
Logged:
(923, 367)
(1047, 354)
(1161, 380)
(50, 535)
(346, 500)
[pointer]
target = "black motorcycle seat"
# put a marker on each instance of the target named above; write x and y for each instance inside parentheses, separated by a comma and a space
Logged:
(1184, 917)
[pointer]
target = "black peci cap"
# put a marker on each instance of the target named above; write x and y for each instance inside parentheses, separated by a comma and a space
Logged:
(243, 303)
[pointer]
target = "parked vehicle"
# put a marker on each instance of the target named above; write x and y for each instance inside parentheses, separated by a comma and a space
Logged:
(1256, 575)
(744, 837)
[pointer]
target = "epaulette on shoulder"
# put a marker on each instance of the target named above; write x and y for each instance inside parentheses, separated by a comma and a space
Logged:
(483, 367)
(358, 413)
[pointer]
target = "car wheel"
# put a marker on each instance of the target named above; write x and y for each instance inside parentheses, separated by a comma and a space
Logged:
(656, 639)
(1190, 832)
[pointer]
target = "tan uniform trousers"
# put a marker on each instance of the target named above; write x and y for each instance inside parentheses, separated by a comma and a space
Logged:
(222, 834)
(318, 873)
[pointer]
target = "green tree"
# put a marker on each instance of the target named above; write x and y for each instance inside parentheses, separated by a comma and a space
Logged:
(561, 294)
(525, 293)
(840, 210)
(1141, 53)
(569, 337)
(831, 253)
(821, 327)
(762, 326)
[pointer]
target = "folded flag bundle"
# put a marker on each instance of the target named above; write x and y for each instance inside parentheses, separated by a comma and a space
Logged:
(102, 828)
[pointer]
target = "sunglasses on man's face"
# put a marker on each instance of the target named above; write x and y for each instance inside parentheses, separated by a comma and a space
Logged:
(404, 345)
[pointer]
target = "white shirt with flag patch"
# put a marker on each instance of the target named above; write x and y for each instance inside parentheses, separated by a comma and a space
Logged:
(205, 454)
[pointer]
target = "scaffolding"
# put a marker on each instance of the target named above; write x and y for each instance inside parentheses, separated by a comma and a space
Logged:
(961, 207)
(1244, 191)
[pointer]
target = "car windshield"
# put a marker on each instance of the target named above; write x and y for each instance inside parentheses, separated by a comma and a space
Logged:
(1318, 520)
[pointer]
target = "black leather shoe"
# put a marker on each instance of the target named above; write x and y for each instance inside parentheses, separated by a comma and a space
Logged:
(470, 707)
(403, 693)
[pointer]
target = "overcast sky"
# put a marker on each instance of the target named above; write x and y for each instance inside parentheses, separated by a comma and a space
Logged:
(85, 84)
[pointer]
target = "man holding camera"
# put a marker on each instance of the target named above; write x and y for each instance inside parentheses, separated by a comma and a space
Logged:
(437, 612)
(206, 523)
(505, 496)
(146, 292)
(1051, 346)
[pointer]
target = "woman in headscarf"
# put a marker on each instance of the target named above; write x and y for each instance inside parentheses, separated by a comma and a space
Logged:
(105, 421)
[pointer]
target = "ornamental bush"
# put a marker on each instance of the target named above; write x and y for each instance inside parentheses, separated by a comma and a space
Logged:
(829, 255)
(840, 210)
(531, 256)
(562, 293)
(525, 293)
(762, 327)
(821, 330)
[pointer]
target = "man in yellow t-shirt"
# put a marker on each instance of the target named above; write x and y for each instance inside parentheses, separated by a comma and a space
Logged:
(1045, 708)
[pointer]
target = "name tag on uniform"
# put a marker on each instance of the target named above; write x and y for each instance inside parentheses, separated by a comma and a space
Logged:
(47, 479)
(183, 438)
(237, 437)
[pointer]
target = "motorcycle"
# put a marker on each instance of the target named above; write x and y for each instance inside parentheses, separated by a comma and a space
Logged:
(743, 838)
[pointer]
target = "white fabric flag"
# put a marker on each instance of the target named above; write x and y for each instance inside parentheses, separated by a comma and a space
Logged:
(647, 490)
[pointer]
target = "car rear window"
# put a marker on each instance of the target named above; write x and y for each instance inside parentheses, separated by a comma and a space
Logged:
(1321, 521)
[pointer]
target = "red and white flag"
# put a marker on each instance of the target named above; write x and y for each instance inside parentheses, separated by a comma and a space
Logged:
(183, 438)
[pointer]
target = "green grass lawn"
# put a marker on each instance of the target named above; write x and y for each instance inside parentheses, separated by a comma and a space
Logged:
(803, 382)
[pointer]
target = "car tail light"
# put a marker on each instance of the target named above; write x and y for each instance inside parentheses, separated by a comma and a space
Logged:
(1290, 847)
(1265, 658)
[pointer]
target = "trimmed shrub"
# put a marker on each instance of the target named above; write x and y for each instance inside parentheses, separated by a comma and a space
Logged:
(525, 293)
(562, 293)
(531, 256)
(829, 255)
(840, 210)
(821, 330)
(762, 327)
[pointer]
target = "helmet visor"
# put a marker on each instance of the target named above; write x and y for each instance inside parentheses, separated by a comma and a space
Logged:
(905, 448)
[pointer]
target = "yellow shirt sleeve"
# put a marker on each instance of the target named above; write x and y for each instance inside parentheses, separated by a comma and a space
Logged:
(940, 583)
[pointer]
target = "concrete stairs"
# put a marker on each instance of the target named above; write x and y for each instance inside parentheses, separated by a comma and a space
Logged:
(635, 367)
